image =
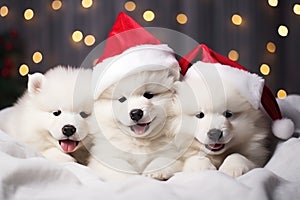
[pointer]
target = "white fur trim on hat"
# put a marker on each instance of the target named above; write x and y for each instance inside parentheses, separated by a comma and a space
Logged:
(249, 85)
(135, 59)
(283, 128)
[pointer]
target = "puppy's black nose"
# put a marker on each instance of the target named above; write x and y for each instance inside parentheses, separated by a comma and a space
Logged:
(215, 134)
(136, 114)
(68, 130)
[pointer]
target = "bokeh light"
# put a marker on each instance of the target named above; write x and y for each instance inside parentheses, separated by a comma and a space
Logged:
(271, 47)
(28, 14)
(283, 30)
(264, 69)
(23, 70)
(236, 19)
(87, 3)
(130, 6)
(77, 36)
(3, 11)
(37, 57)
(273, 3)
(56, 4)
(233, 55)
(296, 9)
(89, 40)
(281, 94)
(148, 15)
(181, 18)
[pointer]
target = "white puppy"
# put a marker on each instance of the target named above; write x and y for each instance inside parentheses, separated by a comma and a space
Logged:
(231, 135)
(135, 126)
(51, 116)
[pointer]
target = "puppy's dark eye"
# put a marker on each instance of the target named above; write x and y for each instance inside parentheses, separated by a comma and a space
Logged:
(148, 95)
(56, 113)
(227, 114)
(200, 115)
(84, 114)
(122, 99)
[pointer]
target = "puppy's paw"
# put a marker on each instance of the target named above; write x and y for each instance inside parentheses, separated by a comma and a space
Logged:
(236, 165)
(164, 173)
(160, 175)
(197, 163)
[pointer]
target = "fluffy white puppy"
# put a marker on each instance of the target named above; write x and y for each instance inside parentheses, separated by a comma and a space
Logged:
(221, 109)
(51, 116)
(134, 113)
(135, 128)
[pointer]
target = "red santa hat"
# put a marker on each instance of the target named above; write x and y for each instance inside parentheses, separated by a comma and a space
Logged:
(130, 49)
(282, 128)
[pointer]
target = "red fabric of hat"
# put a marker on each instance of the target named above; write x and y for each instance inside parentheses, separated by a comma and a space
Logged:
(125, 33)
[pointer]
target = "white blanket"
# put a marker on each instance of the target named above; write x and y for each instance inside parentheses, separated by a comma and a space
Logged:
(26, 175)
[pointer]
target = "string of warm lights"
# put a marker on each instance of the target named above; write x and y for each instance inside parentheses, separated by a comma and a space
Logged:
(87, 3)
(273, 3)
(37, 57)
(28, 14)
(149, 16)
(181, 18)
(56, 4)
(233, 55)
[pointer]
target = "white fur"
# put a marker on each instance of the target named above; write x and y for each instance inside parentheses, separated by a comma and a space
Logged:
(31, 119)
(290, 109)
(118, 151)
(246, 134)
(249, 85)
(131, 61)
(283, 128)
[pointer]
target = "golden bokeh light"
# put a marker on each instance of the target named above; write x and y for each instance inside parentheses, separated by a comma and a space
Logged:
(273, 3)
(87, 3)
(130, 6)
(56, 4)
(77, 36)
(89, 40)
(37, 57)
(283, 30)
(28, 14)
(281, 94)
(296, 9)
(271, 47)
(3, 11)
(181, 18)
(236, 19)
(23, 70)
(264, 69)
(233, 55)
(148, 15)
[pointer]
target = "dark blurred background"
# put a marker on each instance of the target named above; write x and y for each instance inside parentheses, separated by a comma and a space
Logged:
(36, 35)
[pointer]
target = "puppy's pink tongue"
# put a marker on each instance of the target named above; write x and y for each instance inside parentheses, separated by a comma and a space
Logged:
(68, 145)
(139, 129)
(215, 146)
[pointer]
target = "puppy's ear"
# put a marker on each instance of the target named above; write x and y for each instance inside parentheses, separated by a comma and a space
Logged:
(35, 83)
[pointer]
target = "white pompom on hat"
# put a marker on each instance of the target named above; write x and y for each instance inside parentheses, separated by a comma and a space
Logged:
(252, 87)
(130, 49)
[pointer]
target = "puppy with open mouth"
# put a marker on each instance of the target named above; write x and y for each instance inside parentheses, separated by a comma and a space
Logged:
(133, 109)
(232, 131)
(52, 115)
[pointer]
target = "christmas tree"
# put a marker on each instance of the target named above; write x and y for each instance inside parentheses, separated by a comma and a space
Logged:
(12, 84)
